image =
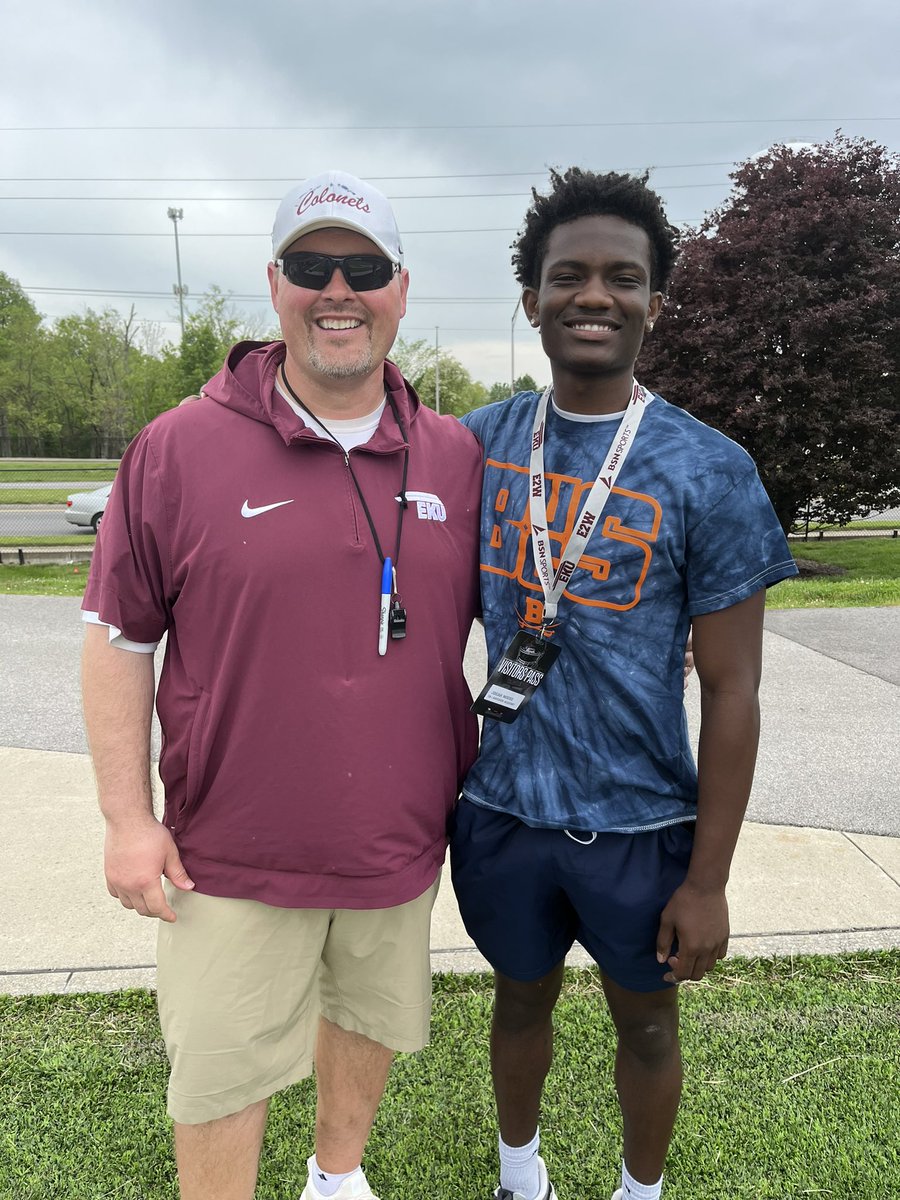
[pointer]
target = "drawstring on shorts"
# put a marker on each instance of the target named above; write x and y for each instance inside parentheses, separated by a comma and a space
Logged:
(589, 842)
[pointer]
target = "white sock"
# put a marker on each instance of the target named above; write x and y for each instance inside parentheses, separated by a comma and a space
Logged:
(327, 1184)
(519, 1170)
(632, 1190)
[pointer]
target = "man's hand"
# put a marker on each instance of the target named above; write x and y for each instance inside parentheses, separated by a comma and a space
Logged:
(688, 656)
(699, 921)
(136, 854)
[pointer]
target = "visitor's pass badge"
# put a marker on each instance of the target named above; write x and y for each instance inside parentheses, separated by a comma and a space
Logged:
(516, 677)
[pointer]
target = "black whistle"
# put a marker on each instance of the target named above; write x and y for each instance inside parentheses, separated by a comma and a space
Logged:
(397, 621)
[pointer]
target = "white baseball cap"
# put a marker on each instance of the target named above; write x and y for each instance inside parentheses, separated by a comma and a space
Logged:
(336, 198)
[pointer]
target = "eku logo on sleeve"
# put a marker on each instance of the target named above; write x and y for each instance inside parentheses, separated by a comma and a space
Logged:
(428, 506)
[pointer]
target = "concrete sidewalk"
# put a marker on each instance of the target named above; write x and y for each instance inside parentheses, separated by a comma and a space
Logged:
(817, 867)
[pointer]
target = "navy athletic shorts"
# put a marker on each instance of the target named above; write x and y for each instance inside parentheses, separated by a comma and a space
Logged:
(527, 894)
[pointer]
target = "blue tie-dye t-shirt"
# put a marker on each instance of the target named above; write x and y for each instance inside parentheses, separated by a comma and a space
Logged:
(688, 529)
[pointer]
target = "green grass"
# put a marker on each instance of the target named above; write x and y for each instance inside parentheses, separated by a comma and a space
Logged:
(791, 1091)
(83, 540)
(61, 580)
(829, 593)
(872, 578)
(38, 469)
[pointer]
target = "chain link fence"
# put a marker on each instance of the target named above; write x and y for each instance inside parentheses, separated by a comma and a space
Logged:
(876, 524)
(50, 509)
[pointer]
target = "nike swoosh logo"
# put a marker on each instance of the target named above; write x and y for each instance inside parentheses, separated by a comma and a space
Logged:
(247, 511)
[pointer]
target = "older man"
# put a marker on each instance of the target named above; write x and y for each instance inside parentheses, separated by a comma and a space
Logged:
(306, 537)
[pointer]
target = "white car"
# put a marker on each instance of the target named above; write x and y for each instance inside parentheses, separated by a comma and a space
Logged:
(87, 508)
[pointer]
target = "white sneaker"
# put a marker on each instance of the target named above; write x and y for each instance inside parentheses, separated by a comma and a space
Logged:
(354, 1188)
(617, 1194)
(546, 1192)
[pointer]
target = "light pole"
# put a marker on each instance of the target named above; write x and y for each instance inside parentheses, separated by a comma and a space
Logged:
(175, 215)
(512, 347)
(437, 373)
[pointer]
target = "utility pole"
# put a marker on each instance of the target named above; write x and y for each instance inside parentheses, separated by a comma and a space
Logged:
(175, 215)
(512, 347)
(437, 372)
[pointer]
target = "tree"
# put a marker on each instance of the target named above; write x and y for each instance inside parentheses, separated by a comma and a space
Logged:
(94, 360)
(782, 326)
(23, 417)
(87, 385)
(459, 392)
(523, 383)
(209, 333)
(413, 358)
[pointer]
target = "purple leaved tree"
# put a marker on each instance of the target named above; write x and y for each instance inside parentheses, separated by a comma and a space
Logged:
(782, 326)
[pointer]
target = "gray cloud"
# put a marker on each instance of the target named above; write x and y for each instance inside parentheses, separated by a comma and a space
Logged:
(581, 75)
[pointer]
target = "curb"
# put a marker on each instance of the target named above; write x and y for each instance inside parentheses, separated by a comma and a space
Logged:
(34, 556)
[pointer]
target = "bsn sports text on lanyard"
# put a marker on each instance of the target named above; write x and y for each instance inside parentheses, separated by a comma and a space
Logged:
(391, 613)
(529, 656)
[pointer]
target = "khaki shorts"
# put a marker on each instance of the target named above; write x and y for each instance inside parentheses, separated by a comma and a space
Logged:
(241, 986)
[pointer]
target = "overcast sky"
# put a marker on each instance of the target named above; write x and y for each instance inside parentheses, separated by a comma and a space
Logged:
(111, 112)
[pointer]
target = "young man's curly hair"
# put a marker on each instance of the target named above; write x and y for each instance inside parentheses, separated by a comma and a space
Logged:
(578, 193)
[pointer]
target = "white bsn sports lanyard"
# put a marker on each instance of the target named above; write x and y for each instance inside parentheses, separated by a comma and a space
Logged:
(554, 584)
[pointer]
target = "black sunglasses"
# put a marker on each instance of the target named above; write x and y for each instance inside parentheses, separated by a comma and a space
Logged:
(363, 272)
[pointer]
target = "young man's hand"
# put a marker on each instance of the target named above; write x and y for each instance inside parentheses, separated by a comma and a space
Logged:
(698, 921)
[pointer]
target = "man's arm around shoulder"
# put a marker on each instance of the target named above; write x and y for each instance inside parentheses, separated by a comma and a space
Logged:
(727, 648)
(118, 705)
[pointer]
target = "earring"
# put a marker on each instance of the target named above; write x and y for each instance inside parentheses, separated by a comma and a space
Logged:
(649, 326)
(535, 322)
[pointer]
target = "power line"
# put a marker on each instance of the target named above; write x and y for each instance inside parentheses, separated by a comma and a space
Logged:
(407, 233)
(404, 328)
(244, 297)
(112, 233)
(273, 199)
(429, 128)
(662, 187)
(290, 178)
(258, 178)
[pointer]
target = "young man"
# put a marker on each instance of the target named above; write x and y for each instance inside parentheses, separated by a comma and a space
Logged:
(584, 817)
(279, 530)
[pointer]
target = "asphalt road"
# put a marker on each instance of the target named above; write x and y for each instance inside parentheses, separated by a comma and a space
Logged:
(37, 520)
(829, 755)
(858, 642)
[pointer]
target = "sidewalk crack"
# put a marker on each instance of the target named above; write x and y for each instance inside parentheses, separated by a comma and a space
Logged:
(874, 862)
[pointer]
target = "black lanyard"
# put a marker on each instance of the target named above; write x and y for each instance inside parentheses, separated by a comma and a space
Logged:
(403, 502)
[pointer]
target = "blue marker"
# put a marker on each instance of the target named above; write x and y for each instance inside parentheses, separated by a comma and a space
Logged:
(387, 580)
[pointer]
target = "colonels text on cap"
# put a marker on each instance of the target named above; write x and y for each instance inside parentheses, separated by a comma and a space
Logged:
(336, 199)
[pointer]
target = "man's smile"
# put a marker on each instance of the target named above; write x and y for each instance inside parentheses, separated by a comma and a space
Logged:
(339, 323)
(592, 326)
